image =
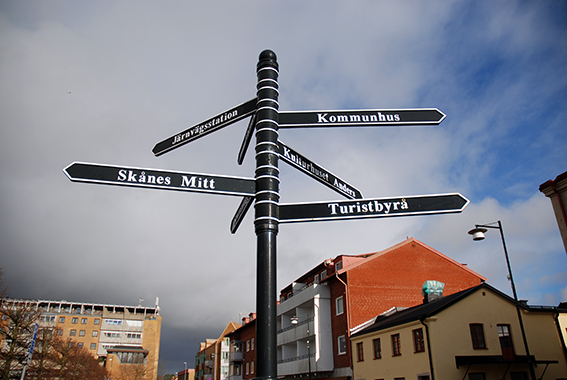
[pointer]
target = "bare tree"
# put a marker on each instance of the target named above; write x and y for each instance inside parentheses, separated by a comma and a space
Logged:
(18, 321)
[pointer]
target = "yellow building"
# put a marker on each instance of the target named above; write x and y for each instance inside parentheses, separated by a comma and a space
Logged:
(474, 334)
(125, 338)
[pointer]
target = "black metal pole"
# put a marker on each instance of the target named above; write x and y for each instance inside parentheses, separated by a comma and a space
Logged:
(266, 213)
(516, 302)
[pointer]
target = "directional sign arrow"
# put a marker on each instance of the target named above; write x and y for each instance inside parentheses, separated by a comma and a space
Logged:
(372, 208)
(360, 118)
(240, 213)
(160, 179)
(313, 170)
(202, 129)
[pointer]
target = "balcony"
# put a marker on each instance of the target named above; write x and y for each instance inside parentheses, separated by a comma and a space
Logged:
(236, 356)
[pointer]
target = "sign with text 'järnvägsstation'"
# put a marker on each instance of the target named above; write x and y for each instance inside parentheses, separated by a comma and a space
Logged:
(372, 208)
(360, 118)
(159, 179)
(202, 129)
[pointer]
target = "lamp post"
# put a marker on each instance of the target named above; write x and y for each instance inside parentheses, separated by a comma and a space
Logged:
(295, 321)
(477, 235)
(185, 373)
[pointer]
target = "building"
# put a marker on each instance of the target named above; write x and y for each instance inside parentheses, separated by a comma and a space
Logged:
(556, 191)
(221, 359)
(317, 311)
(186, 374)
(212, 362)
(242, 356)
(124, 338)
(474, 334)
(242, 352)
(204, 360)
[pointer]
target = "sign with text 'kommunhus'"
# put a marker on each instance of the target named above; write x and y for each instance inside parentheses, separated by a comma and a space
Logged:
(160, 179)
(321, 174)
(360, 118)
(202, 129)
(372, 208)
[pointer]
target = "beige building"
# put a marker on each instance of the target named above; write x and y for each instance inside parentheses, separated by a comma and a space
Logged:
(473, 334)
(125, 338)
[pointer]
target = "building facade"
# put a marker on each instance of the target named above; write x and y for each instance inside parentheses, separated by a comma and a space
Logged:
(556, 191)
(124, 338)
(474, 334)
(242, 351)
(317, 312)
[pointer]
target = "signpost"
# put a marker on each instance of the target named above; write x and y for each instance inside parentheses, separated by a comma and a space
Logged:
(159, 179)
(263, 189)
(361, 118)
(372, 208)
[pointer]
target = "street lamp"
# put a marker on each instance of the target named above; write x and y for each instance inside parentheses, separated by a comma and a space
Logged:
(185, 373)
(477, 235)
(294, 321)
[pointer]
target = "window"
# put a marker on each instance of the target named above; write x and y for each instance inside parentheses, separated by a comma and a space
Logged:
(82, 333)
(80, 344)
(418, 345)
(247, 347)
(59, 331)
(252, 345)
(342, 344)
(83, 321)
(360, 351)
(396, 345)
(339, 305)
(477, 336)
(75, 320)
(61, 319)
(339, 265)
(247, 368)
(73, 332)
(113, 322)
(316, 279)
(252, 367)
(97, 321)
(377, 346)
(506, 345)
(323, 275)
(93, 346)
(95, 333)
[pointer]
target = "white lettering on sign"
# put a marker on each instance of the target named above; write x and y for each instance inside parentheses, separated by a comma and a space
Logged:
(305, 165)
(372, 207)
(131, 176)
(358, 118)
(197, 182)
(202, 128)
(308, 166)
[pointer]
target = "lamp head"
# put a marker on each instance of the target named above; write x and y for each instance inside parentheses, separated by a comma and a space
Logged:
(478, 233)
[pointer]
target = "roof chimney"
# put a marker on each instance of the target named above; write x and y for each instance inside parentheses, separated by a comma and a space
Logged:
(432, 290)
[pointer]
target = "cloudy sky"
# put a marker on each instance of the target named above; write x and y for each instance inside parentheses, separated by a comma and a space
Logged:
(105, 81)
